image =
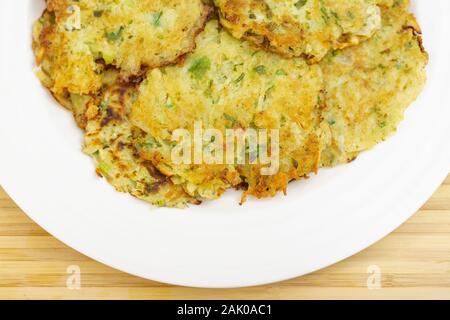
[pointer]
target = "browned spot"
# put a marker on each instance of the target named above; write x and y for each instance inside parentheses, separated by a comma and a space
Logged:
(121, 146)
(154, 172)
(154, 187)
(416, 31)
(57, 5)
(111, 115)
(233, 18)
(158, 176)
(195, 202)
(45, 36)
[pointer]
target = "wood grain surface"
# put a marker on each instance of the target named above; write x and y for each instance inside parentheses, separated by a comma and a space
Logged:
(414, 262)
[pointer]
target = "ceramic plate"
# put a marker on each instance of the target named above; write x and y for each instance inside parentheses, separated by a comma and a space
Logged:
(220, 244)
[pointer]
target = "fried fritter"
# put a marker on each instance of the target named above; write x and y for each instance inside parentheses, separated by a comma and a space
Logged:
(369, 87)
(307, 28)
(113, 143)
(74, 40)
(225, 83)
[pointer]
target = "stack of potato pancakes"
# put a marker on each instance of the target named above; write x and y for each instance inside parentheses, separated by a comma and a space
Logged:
(333, 77)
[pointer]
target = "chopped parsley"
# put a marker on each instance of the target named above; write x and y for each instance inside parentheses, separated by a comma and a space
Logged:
(156, 18)
(200, 67)
(115, 35)
(260, 69)
(300, 4)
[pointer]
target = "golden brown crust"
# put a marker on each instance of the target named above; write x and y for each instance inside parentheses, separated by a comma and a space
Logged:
(307, 29)
(377, 81)
(66, 53)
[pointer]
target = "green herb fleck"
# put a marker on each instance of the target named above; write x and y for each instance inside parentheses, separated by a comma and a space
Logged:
(115, 35)
(260, 69)
(331, 121)
(229, 118)
(156, 18)
(300, 4)
(200, 67)
(240, 78)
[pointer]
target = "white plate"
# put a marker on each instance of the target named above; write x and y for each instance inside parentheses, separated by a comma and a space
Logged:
(219, 244)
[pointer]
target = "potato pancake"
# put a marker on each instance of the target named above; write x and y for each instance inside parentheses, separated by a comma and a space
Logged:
(113, 143)
(307, 28)
(74, 40)
(225, 84)
(369, 87)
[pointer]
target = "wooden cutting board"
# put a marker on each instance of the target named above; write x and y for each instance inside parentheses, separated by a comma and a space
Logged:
(412, 262)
